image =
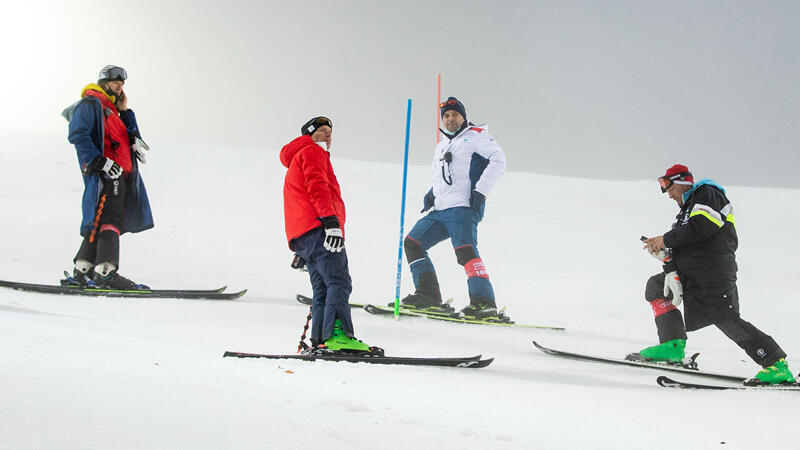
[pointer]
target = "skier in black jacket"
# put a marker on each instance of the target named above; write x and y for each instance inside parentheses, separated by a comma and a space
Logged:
(700, 270)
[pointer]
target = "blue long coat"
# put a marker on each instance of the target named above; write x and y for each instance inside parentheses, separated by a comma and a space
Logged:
(86, 129)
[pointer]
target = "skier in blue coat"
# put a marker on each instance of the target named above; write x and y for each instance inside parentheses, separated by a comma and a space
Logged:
(108, 143)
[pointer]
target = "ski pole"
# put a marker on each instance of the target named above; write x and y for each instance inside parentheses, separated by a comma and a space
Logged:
(303, 346)
(402, 217)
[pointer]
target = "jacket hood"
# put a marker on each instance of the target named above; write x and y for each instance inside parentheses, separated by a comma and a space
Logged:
(95, 87)
(704, 181)
(289, 150)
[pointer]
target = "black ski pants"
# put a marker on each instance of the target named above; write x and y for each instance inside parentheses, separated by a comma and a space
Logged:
(102, 244)
(759, 346)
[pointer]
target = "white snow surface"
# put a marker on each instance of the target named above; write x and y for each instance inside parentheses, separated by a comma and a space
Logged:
(99, 373)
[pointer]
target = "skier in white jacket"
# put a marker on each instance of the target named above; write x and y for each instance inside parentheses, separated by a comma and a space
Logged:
(466, 165)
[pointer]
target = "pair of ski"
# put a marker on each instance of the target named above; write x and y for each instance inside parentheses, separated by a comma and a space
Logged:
(434, 315)
(664, 381)
(209, 294)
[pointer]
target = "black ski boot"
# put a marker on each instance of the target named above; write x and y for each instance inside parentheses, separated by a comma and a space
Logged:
(419, 300)
(78, 279)
(116, 281)
(424, 302)
(484, 311)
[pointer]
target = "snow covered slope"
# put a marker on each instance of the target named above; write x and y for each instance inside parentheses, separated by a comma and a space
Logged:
(94, 373)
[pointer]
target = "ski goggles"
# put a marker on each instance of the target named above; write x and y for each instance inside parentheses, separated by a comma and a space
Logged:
(666, 182)
(312, 125)
(320, 121)
(451, 102)
(113, 73)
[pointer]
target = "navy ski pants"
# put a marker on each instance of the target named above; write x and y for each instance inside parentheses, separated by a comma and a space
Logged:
(330, 282)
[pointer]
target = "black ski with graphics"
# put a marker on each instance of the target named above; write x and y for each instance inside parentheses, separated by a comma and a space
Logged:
(686, 369)
(670, 383)
(212, 294)
(474, 362)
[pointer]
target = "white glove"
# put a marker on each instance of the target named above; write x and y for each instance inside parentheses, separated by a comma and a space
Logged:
(112, 169)
(140, 148)
(673, 283)
(664, 255)
(334, 241)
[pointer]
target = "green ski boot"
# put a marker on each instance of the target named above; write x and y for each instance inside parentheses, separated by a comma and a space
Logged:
(776, 374)
(670, 351)
(341, 342)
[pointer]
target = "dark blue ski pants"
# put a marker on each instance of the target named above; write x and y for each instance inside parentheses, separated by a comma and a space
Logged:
(330, 282)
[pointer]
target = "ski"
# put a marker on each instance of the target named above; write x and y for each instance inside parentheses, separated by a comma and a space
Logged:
(213, 294)
(474, 362)
(387, 311)
(307, 301)
(647, 365)
(670, 383)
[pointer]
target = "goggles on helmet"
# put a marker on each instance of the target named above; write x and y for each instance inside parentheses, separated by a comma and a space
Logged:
(312, 125)
(113, 73)
(320, 121)
(666, 182)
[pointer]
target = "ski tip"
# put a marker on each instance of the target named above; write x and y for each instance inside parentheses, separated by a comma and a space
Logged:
(544, 349)
(481, 363)
(232, 295)
(668, 382)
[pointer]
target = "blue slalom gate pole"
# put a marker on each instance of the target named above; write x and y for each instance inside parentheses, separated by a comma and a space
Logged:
(402, 217)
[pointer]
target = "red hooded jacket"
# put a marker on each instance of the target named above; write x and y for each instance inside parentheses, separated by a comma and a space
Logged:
(310, 189)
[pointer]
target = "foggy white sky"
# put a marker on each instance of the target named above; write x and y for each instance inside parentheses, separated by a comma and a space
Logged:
(616, 89)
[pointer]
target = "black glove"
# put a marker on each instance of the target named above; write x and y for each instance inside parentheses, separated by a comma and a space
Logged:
(477, 201)
(105, 165)
(334, 238)
(299, 263)
(427, 201)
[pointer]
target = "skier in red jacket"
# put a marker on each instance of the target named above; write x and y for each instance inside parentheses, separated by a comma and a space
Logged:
(315, 216)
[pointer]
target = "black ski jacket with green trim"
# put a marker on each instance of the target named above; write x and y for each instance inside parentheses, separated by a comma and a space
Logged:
(704, 242)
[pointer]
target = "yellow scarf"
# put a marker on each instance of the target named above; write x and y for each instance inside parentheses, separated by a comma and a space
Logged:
(95, 87)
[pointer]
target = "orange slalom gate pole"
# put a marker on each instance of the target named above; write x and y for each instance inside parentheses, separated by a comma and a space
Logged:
(438, 100)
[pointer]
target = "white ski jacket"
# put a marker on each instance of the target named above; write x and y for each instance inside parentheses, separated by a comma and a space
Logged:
(476, 162)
